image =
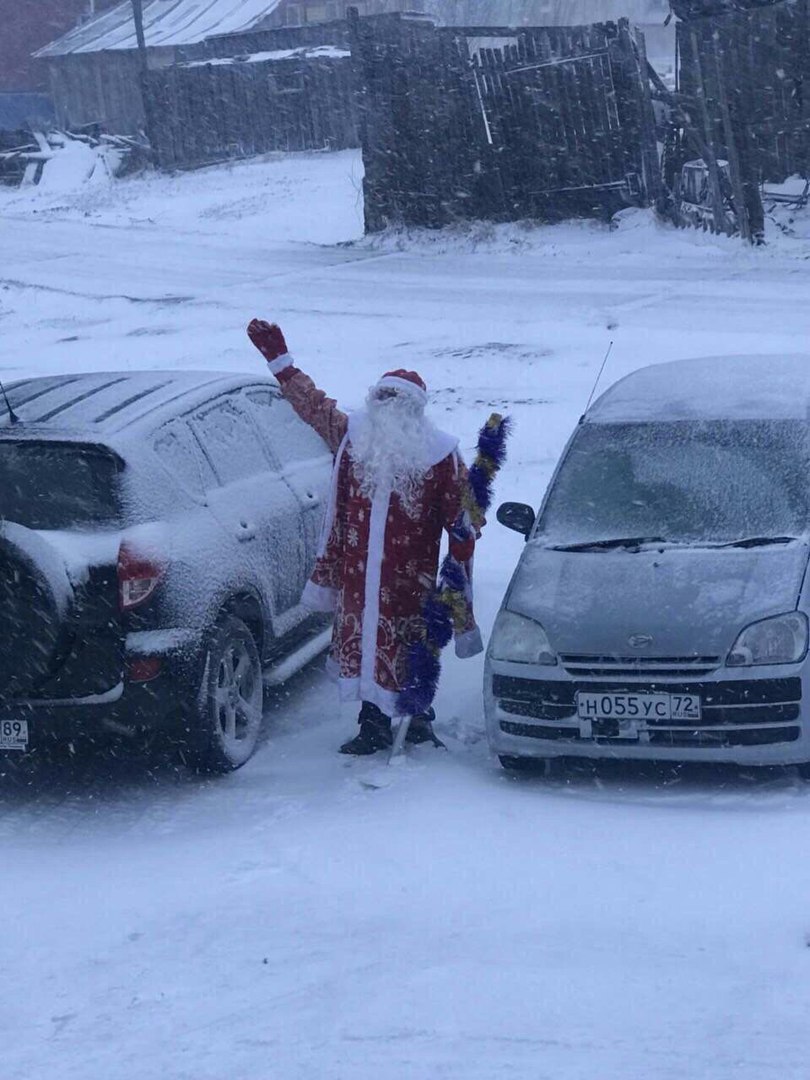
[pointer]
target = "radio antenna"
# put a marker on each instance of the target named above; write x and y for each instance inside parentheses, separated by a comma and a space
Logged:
(11, 414)
(599, 376)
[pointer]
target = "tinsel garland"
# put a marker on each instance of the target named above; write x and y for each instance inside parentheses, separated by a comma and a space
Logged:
(446, 609)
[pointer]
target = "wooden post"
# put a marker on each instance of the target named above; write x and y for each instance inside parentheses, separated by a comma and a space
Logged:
(137, 15)
(711, 158)
(649, 152)
(143, 57)
(731, 145)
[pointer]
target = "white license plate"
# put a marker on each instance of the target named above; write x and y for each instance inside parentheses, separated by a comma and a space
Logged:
(638, 708)
(13, 734)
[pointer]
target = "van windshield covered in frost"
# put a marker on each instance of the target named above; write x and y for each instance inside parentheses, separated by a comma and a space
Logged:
(717, 481)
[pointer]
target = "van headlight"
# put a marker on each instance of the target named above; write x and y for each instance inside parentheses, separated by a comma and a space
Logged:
(779, 640)
(520, 640)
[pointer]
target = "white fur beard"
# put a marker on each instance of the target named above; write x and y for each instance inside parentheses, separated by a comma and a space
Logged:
(390, 451)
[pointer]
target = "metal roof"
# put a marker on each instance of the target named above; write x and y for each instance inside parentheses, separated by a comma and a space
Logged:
(111, 406)
(166, 23)
(710, 388)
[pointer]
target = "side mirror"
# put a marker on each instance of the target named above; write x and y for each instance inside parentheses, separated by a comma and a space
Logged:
(517, 516)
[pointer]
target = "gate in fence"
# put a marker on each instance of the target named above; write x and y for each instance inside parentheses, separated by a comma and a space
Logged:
(504, 124)
(559, 105)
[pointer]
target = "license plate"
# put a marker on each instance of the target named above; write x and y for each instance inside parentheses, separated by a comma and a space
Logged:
(13, 734)
(638, 708)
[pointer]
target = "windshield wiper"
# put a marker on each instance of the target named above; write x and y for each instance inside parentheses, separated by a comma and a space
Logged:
(757, 541)
(615, 542)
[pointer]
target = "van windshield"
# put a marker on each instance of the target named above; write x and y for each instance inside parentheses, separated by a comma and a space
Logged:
(49, 485)
(684, 482)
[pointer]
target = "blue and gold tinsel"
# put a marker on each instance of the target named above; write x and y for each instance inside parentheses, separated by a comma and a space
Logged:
(447, 610)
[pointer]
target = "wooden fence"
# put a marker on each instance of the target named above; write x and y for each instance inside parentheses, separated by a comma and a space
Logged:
(541, 122)
(208, 111)
(744, 77)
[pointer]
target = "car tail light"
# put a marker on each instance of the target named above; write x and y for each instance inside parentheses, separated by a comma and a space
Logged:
(138, 577)
(144, 668)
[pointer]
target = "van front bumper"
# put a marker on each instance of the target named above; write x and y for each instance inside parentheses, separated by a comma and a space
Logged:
(749, 717)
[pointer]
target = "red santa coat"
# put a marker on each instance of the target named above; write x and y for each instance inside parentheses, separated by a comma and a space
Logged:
(377, 561)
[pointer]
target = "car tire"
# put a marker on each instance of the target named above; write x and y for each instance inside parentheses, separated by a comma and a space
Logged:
(225, 728)
(527, 766)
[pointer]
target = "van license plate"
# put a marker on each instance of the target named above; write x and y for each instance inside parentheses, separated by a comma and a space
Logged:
(626, 708)
(13, 734)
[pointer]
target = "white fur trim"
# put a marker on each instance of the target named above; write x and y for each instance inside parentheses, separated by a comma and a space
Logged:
(395, 383)
(468, 644)
(319, 597)
(280, 363)
(371, 604)
(350, 690)
(363, 688)
(441, 444)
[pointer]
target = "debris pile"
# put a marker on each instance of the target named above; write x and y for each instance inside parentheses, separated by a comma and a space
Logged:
(63, 161)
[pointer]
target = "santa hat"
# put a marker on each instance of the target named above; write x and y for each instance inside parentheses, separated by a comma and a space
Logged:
(407, 382)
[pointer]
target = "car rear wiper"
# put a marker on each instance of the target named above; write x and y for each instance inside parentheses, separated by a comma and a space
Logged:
(757, 541)
(614, 542)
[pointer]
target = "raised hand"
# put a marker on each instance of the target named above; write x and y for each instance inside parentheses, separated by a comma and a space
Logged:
(268, 339)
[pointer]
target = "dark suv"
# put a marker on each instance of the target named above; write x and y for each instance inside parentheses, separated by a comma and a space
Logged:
(156, 531)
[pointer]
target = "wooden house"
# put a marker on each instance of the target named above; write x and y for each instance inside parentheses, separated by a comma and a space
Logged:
(94, 69)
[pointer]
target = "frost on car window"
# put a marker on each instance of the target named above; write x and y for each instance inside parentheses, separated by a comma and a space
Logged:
(51, 485)
(289, 437)
(231, 442)
(180, 452)
(686, 481)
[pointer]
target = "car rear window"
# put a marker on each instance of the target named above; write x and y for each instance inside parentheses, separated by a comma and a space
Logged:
(58, 485)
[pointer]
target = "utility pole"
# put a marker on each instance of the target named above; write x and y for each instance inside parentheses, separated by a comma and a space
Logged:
(137, 14)
(143, 57)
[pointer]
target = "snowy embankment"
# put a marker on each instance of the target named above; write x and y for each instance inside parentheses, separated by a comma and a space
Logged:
(285, 923)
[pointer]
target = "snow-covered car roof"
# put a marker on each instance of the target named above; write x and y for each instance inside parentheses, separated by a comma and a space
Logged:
(711, 388)
(112, 407)
(166, 22)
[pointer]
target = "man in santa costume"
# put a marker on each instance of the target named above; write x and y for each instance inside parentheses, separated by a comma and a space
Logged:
(398, 484)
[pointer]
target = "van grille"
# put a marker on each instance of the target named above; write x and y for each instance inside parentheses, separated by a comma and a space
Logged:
(594, 667)
(697, 739)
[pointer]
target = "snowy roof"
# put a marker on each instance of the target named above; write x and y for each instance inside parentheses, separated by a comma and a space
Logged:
(166, 22)
(712, 388)
(305, 52)
(545, 12)
(111, 405)
(186, 22)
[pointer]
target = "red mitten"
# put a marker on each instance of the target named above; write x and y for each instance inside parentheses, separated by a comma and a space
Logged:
(268, 339)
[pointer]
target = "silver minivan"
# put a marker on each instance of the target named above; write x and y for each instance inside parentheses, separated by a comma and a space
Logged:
(660, 608)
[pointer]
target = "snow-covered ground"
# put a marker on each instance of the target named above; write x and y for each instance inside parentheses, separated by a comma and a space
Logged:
(287, 923)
